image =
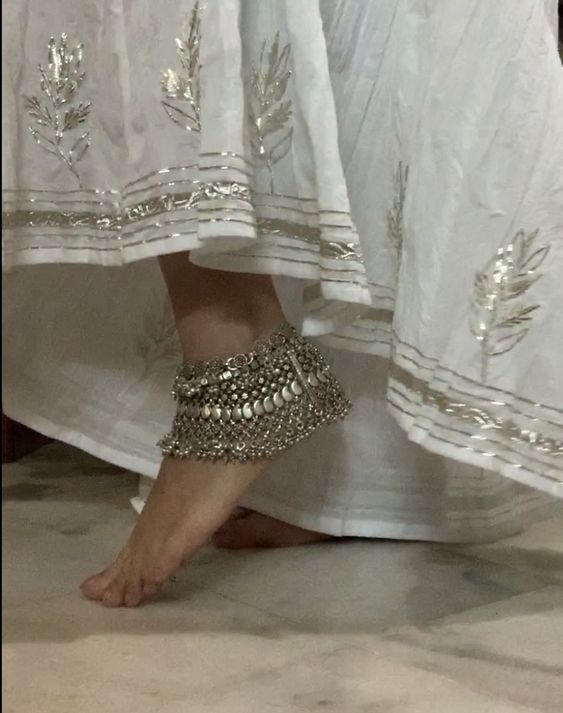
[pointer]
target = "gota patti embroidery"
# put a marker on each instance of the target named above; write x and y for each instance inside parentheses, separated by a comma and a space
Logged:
(269, 109)
(98, 215)
(182, 87)
(270, 113)
(501, 315)
(450, 410)
(482, 417)
(395, 218)
(55, 121)
(110, 217)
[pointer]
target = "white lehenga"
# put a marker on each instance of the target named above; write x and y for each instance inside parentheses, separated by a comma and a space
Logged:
(396, 170)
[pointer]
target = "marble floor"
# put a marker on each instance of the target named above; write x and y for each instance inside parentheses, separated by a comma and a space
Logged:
(355, 627)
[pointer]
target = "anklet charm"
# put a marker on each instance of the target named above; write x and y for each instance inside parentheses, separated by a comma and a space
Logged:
(253, 405)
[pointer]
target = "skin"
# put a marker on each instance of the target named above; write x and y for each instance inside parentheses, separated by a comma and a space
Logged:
(217, 314)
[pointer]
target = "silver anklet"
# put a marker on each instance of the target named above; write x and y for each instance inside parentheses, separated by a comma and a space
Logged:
(253, 405)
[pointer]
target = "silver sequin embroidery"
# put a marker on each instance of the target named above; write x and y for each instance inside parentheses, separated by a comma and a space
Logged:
(269, 109)
(500, 315)
(181, 87)
(55, 121)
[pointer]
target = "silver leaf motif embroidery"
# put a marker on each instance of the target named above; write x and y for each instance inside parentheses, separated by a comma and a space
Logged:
(500, 314)
(181, 88)
(395, 220)
(55, 121)
(269, 110)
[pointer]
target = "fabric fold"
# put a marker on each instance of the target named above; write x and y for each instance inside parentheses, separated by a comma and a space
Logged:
(400, 168)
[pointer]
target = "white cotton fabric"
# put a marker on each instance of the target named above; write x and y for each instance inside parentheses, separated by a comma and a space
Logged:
(93, 368)
(446, 118)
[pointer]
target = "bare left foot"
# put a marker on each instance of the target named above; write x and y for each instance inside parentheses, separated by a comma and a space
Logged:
(186, 505)
(252, 530)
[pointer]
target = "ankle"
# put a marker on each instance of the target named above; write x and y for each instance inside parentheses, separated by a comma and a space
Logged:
(214, 336)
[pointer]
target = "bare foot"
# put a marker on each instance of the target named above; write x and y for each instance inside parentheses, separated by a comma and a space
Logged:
(251, 529)
(188, 502)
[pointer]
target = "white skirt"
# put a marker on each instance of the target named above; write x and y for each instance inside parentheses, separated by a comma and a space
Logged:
(103, 384)
(399, 160)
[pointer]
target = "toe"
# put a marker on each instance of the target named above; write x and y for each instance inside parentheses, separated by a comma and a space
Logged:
(151, 590)
(133, 594)
(113, 596)
(94, 587)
